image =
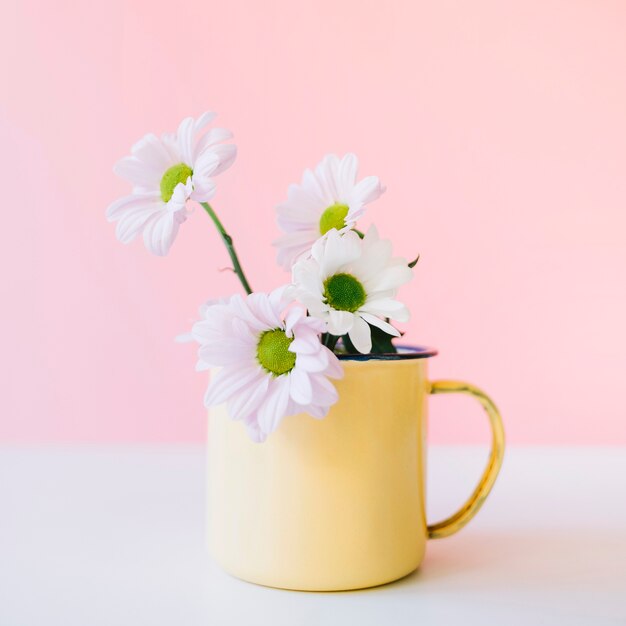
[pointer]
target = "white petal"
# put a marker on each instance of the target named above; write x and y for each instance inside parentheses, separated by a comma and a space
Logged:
(151, 151)
(339, 251)
(287, 257)
(334, 368)
(249, 399)
(247, 330)
(401, 315)
(340, 322)
(203, 121)
(376, 321)
(274, 406)
(310, 196)
(385, 307)
(133, 222)
(138, 173)
(202, 366)
(348, 168)
(293, 317)
(313, 363)
(298, 238)
(130, 203)
(262, 309)
(240, 307)
(210, 138)
(375, 257)
(313, 324)
(301, 345)
(228, 382)
(296, 215)
(389, 278)
(203, 190)
(316, 411)
(254, 430)
(300, 388)
(184, 136)
(159, 233)
(307, 277)
(324, 392)
(227, 351)
(371, 235)
(205, 166)
(367, 190)
(226, 152)
(327, 173)
(360, 335)
(279, 298)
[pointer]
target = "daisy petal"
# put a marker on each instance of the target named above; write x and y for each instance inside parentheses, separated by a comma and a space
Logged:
(215, 135)
(272, 410)
(226, 152)
(254, 430)
(133, 222)
(384, 326)
(368, 190)
(248, 400)
(159, 233)
(153, 153)
(390, 278)
(361, 336)
(387, 307)
(340, 322)
(324, 391)
(127, 204)
(185, 140)
(227, 382)
(203, 121)
(138, 173)
(336, 251)
(347, 171)
(300, 387)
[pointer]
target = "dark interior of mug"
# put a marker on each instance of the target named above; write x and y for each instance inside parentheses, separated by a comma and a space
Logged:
(403, 353)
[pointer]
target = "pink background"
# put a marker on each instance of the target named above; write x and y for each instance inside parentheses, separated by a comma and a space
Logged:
(499, 129)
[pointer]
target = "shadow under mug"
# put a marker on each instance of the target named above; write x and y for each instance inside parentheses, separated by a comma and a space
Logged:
(337, 503)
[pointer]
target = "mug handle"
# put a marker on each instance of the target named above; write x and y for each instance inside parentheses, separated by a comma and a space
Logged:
(455, 522)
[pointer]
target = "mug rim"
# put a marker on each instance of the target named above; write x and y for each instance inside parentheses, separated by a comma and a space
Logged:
(410, 352)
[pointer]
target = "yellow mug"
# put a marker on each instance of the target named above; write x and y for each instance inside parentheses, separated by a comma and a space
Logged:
(337, 503)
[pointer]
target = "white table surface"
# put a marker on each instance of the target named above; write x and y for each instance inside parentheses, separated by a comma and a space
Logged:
(94, 536)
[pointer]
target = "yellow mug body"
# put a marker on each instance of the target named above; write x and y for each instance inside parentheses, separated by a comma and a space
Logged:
(331, 504)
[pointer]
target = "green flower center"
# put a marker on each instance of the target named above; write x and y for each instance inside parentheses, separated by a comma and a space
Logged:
(174, 175)
(343, 292)
(333, 217)
(273, 352)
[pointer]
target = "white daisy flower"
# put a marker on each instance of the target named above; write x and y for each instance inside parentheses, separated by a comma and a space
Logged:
(350, 283)
(165, 173)
(271, 359)
(328, 198)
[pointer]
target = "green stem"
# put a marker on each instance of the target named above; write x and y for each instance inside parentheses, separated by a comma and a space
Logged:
(228, 242)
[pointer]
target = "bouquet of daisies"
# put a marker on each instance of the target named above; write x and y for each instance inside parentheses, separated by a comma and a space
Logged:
(275, 353)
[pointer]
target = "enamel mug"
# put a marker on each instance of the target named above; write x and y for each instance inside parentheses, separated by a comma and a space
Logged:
(337, 503)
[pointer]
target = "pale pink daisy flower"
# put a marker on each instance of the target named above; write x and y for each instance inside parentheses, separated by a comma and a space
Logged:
(165, 173)
(271, 361)
(329, 197)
